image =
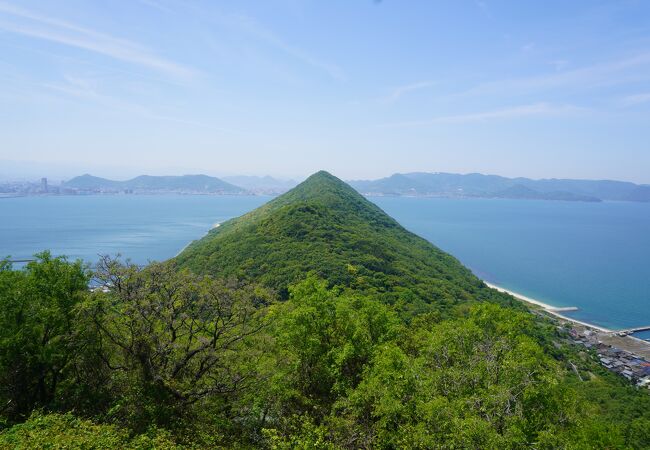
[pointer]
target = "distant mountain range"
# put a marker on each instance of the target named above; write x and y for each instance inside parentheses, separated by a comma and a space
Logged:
(147, 183)
(493, 186)
(420, 184)
(262, 185)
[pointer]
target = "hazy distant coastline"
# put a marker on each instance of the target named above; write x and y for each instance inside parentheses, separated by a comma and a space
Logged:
(147, 184)
(476, 185)
(417, 184)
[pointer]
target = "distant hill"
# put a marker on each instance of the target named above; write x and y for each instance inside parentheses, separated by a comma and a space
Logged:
(90, 182)
(640, 194)
(265, 185)
(147, 183)
(493, 186)
(325, 226)
(519, 191)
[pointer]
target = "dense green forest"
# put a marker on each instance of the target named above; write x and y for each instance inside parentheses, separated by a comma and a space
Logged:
(325, 227)
(315, 321)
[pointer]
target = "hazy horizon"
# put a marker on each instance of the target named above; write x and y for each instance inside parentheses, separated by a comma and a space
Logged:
(362, 89)
(60, 174)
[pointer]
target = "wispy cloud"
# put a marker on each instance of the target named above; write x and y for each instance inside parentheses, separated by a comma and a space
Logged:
(156, 5)
(636, 99)
(528, 47)
(254, 28)
(87, 90)
(246, 25)
(515, 112)
(559, 64)
(54, 30)
(608, 73)
(483, 6)
(399, 91)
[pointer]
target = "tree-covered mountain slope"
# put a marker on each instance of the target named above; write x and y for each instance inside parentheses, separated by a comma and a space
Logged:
(188, 183)
(325, 226)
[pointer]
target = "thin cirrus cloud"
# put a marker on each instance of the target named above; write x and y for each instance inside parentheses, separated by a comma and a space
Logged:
(542, 109)
(252, 27)
(156, 5)
(596, 75)
(86, 90)
(400, 91)
(246, 25)
(483, 6)
(34, 25)
(636, 99)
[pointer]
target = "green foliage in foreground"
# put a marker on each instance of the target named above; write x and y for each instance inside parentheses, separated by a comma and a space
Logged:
(478, 381)
(47, 356)
(357, 378)
(169, 359)
(326, 227)
(65, 431)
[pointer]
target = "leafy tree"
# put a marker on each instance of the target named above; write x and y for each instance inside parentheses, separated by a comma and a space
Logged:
(323, 341)
(42, 345)
(173, 339)
(476, 382)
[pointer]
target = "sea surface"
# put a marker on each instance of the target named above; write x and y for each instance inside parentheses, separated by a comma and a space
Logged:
(595, 256)
(142, 228)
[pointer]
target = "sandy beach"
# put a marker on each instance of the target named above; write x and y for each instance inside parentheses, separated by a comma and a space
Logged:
(554, 310)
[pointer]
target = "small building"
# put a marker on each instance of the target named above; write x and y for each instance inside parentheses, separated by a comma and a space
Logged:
(644, 382)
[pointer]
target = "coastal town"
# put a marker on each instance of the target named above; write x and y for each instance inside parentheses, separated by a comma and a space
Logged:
(624, 355)
(617, 350)
(147, 185)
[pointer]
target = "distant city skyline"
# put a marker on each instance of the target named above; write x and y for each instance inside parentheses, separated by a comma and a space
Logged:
(362, 89)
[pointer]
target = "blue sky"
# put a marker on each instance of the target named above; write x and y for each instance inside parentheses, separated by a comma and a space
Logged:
(358, 87)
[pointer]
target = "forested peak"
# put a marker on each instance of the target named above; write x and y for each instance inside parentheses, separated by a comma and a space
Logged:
(326, 227)
(323, 175)
(326, 199)
(320, 187)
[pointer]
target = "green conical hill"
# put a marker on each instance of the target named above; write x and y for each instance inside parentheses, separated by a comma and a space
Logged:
(325, 226)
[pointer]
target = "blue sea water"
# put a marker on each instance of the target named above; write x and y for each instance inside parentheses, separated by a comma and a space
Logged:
(140, 227)
(595, 256)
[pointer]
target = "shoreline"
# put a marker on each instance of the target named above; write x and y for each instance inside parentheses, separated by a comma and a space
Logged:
(553, 310)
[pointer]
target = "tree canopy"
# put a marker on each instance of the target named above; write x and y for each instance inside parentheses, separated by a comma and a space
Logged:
(326, 227)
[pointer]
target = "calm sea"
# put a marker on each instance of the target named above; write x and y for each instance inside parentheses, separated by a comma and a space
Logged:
(141, 227)
(595, 256)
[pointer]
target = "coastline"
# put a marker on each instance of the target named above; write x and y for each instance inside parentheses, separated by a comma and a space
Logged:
(553, 310)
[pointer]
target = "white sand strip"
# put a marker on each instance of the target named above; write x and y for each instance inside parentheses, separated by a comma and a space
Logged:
(519, 296)
(548, 308)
